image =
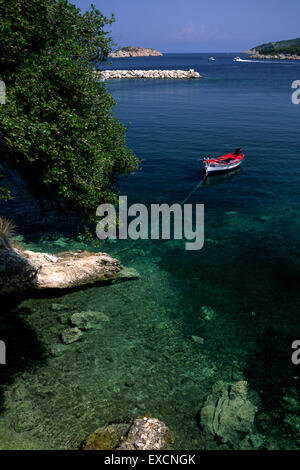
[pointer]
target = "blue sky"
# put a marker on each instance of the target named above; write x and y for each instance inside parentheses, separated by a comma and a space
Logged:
(199, 25)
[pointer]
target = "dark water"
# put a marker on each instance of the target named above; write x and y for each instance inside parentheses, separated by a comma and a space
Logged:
(246, 275)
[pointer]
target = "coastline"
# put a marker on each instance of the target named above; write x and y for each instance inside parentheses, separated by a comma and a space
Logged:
(254, 54)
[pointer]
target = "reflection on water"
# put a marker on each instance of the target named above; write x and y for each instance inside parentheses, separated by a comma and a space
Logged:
(221, 177)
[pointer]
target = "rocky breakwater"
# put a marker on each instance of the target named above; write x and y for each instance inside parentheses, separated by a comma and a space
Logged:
(23, 270)
(149, 74)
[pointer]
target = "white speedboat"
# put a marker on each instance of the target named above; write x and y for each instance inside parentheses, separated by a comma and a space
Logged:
(225, 163)
(211, 58)
(238, 59)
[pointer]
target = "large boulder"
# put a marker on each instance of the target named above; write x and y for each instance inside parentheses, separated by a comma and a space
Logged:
(227, 416)
(108, 437)
(28, 270)
(16, 272)
(148, 434)
(144, 433)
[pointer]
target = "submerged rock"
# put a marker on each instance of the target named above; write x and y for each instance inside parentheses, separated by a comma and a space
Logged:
(88, 320)
(227, 416)
(71, 335)
(27, 270)
(107, 438)
(198, 339)
(63, 318)
(57, 350)
(208, 313)
(143, 434)
(128, 273)
(148, 434)
(58, 307)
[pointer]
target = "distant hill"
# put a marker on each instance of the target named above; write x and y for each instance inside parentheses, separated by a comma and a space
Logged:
(288, 48)
(130, 51)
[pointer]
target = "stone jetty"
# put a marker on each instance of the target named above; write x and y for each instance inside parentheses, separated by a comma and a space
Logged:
(145, 74)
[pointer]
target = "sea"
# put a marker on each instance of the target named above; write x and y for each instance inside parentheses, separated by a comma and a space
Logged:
(226, 313)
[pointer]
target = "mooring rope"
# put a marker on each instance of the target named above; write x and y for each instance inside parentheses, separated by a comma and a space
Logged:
(193, 191)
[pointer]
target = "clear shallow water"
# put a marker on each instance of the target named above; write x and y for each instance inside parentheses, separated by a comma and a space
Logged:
(143, 360)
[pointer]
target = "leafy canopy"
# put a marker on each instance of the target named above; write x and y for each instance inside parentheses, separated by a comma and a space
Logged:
(57, 128)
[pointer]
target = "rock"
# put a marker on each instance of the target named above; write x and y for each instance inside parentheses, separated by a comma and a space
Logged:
(63, 318)
(207, 313)
(107, 438)
(58, 307)
(57, 350)
(16, 273)
(198, 339)
(236, 374)
(27, 270)
(227, 416)
(148, 434)
(24, 421)
(72, 270)
(88, 320)
(148, 74)
(71, 335)
(128, 273)
(135, 52)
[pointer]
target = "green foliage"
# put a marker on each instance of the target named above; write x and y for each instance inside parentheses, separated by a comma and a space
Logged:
(57, 127)
(291, 46)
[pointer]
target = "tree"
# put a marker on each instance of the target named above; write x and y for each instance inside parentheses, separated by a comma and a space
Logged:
(57, 127)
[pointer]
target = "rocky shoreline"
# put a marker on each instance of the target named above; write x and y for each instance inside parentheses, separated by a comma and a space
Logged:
(149, 74)
(135, 52)
(254, 54)
(24, 270)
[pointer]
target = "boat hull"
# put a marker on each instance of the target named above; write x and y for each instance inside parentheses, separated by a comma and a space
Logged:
(209, 169)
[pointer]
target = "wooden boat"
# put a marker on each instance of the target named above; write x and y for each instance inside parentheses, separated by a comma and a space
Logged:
(225, 163)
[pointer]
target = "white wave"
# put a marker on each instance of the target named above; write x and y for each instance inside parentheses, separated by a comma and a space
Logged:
(266, 61)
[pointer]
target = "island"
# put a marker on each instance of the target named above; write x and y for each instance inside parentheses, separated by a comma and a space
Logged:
(284, 50)
(130, 51)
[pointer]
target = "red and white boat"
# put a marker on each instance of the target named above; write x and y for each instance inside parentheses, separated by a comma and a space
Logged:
(225, 163)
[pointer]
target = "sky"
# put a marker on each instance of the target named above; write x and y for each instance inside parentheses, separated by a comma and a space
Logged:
(199, 25)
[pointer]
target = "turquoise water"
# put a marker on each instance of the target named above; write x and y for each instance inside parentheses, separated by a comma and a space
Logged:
(144, 359)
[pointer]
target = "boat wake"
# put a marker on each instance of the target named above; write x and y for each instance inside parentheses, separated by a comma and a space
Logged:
(260, 61)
